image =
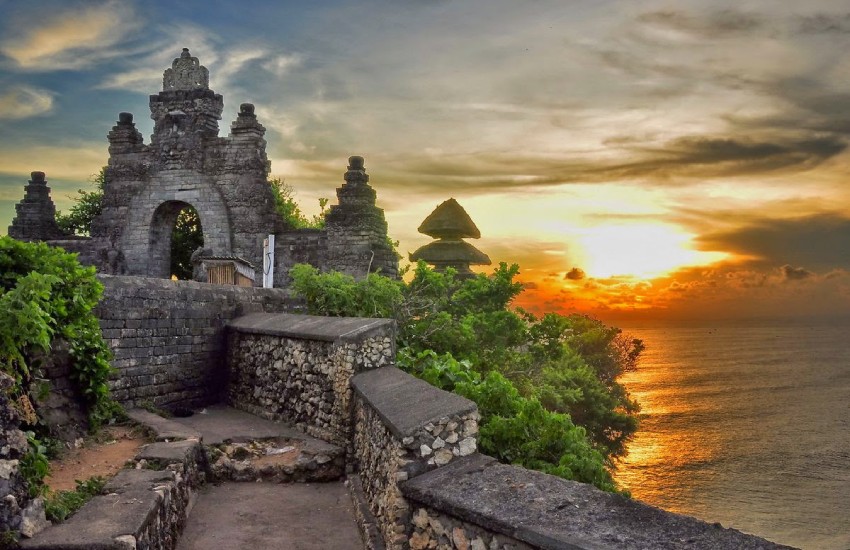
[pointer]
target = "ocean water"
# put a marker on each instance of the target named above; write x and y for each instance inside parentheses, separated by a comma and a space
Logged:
(749, 427)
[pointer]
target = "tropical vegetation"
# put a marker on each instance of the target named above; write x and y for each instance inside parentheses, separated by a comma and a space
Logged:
(547, 387)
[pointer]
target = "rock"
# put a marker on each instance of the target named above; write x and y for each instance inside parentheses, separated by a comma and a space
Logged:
(424, 450)
(467, 446)
(438, 443)
(443, 457)
(419, 541)
(33, 519)
(459, 539)
(7, 468)
(127, 542)
(420, 518)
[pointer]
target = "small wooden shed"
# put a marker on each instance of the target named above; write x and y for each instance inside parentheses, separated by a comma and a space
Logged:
(228, 270)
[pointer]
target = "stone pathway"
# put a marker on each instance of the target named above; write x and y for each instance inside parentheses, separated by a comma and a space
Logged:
(266, 515)
(260, 516)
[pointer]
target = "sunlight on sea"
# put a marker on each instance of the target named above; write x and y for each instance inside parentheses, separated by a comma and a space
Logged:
(747, 427)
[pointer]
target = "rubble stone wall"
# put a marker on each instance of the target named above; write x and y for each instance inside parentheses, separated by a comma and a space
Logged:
(168, 337)
(404, 427)
(282, 372)
(433, 529)
(14, 495)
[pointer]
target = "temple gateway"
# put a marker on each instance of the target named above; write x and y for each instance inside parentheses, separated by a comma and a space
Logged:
(225, 179)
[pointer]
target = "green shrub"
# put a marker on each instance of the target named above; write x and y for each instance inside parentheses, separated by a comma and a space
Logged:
(546, 387)
(44, 294)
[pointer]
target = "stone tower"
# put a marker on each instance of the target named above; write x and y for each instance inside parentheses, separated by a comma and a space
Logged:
(186, 164)
(356, 228)
(35, 215)
(450, 224)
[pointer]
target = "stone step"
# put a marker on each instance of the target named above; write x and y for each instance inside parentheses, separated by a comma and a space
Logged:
(163, 428)
(141, 508)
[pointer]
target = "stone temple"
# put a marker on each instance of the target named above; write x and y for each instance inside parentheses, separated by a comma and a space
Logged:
(225, 179)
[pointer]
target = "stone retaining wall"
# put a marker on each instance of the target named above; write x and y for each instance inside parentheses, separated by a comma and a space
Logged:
(140, 508)
(168, 337)
(17, 509)
(404, 427)
(298, 368)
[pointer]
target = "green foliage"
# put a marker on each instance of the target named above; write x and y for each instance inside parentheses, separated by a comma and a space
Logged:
(34, 465)
(186, 238)
(546, 387)
(337, 294)
(87, 206)
(61, 505)
(285, 205)
(514, 429)
(45, 293)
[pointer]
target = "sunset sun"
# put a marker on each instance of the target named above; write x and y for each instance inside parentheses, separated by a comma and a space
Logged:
(644, 250)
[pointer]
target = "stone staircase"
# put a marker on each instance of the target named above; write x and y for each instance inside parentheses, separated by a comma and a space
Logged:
(147, 505)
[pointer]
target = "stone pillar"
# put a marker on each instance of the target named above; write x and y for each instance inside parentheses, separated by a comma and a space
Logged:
(35, 218)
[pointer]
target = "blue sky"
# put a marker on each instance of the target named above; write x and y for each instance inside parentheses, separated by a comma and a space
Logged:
(673, 152)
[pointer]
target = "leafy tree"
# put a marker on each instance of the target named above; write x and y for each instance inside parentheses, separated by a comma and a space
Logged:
(285, 205)
(546, 387)
(187, 236)
(87, 206)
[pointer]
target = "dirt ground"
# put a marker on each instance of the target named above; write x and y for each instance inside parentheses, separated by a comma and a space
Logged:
(103, 455)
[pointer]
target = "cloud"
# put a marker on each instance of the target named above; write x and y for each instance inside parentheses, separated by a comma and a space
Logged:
(24, 101)
(819, 241)
(78, 163)
(823, 23)
(713, 25)
(71, 38)
(575, 274)
(791, 273)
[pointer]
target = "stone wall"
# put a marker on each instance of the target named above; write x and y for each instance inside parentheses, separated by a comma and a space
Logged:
(302, 246)
(298, 368)
(17, 508)
(404, 427)
(168, 337)
(476, 502)
(60, 409)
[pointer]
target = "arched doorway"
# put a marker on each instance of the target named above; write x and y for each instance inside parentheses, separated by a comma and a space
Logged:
(175, 233)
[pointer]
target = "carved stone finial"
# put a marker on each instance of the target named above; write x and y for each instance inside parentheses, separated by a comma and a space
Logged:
(356, 174)
(125, 118)
(186, 73)
(355, 163)
(37, 177)
(246, 109)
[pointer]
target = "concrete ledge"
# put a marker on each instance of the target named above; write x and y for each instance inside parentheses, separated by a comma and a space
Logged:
(108, 520)
(164, 428)
(310, 327)
(553, 513)
(406, 403)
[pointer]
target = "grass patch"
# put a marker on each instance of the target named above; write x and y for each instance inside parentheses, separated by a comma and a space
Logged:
(60, 505)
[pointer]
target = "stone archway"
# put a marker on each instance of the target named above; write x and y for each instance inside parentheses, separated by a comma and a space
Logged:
(175, 233)
(159, 241)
